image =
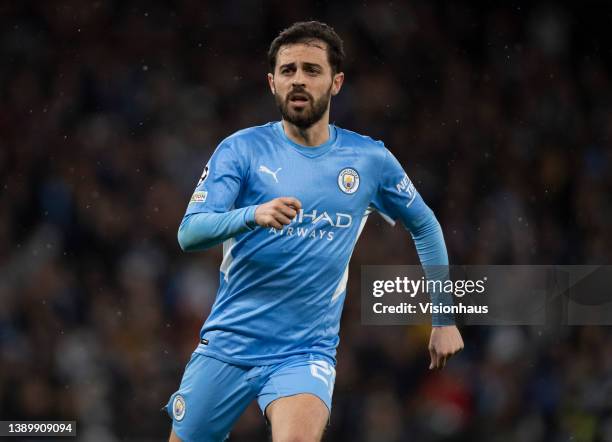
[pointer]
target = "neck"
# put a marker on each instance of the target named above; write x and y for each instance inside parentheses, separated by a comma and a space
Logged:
(315, 135)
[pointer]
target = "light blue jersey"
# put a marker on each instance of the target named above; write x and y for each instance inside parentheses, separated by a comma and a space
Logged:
(281, 292)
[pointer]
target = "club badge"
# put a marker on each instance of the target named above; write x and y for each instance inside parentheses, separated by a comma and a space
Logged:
(348, 180)
(178, 407)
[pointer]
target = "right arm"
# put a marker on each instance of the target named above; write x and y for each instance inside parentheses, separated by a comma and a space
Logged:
(199, 231)
(211, 218)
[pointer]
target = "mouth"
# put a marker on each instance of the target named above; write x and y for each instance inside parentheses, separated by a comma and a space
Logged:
(299, 98)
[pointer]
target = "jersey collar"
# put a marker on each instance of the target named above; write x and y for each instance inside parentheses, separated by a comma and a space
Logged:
(309, 151)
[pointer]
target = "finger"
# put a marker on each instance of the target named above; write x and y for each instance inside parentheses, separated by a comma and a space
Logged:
(458, 347)
(288, 211)
(438, 362)
(281, 218)
(275, 224)
(270, 221)
(432, 355)
(290, 201)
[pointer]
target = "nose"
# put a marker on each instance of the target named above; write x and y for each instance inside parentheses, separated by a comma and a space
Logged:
(298, 79)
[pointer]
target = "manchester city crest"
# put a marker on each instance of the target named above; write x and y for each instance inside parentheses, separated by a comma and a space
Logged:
(178, 407)
(348, 180)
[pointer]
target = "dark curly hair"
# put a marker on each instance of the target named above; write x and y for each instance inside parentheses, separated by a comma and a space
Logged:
(306, 31)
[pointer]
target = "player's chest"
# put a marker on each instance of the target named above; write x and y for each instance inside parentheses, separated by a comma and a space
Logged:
(342, 180)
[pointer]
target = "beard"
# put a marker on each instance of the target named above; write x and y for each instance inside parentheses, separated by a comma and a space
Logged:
(304, 117)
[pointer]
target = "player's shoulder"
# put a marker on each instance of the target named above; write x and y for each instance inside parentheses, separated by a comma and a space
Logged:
(248, 135)
(365, 142)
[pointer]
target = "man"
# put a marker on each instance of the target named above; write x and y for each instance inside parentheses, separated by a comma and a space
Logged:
(289, 200)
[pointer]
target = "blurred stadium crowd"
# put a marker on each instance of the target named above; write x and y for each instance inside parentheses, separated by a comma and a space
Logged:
(109, 111)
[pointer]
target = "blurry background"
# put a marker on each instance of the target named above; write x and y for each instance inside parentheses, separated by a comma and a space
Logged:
(110, 109)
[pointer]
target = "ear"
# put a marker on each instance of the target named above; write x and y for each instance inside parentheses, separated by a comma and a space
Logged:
(271, 83)
(337, 83)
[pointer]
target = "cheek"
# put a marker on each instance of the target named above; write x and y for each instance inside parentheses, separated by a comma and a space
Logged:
(324, 87)
(280, 87)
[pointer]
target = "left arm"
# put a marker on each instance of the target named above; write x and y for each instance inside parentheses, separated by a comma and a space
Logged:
(445, 339)
(398, 198)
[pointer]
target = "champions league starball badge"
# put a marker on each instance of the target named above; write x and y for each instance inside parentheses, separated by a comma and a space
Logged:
(348, 180)
(204, 176)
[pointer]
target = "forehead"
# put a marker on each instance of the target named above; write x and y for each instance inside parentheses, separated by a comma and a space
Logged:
(314, 51)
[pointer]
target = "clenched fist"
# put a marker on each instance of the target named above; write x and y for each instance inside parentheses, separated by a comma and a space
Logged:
(443, 343)
(277, 213)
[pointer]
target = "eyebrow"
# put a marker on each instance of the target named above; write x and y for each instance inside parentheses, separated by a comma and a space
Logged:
(292, 65)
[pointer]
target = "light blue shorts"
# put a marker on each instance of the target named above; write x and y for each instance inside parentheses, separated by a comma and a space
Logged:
(213, 394)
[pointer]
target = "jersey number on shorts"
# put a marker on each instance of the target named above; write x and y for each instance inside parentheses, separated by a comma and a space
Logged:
(324, 371)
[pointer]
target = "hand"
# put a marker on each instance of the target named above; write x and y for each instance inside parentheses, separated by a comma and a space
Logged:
(443, 343)
(277, 213)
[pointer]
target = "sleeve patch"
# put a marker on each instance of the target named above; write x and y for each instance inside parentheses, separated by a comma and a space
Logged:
(406, 186)
(204, 176)
(198, 197)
